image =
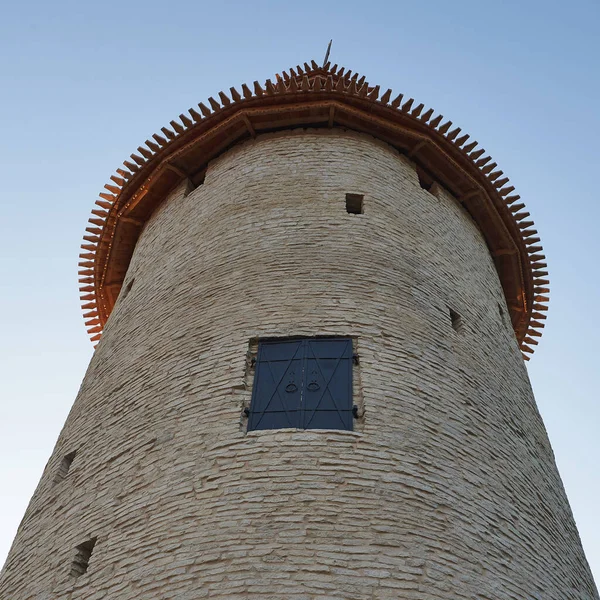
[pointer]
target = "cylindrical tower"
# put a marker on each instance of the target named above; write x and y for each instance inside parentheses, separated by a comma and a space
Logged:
(311, 384)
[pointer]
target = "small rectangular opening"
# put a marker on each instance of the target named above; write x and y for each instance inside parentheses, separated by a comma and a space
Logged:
(354, 204)
(126, 289)
(65, 465)
(194, 181)
(457, 322)
(426, 181)
(83, 553)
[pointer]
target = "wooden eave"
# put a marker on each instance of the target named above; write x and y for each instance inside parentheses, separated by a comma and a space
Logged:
(314, 97)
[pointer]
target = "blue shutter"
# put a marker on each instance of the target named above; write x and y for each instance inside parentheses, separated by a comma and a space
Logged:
(277, 386)
(327, 389)
(305, 383)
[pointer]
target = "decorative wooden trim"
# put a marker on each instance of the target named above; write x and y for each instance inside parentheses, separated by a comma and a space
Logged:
(249, 125)
(331, 120)
(415, 149)
(313, 96)
(177, 171)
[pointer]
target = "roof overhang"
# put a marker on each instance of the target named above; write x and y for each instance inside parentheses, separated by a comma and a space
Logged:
(314, 97)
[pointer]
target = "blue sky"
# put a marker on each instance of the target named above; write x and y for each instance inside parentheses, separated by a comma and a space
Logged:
(83, 84)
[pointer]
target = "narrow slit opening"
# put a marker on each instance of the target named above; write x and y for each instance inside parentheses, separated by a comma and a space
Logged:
(456, 319)
(65, 466)
(194, 181)
(127, 288)
(83, 553)
(425, 180)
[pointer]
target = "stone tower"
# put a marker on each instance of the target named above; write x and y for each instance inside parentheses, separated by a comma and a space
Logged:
(313, 298)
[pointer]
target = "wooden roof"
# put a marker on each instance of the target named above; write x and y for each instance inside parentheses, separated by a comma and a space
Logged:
(314, 96)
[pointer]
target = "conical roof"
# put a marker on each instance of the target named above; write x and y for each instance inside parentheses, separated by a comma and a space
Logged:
(314, 96)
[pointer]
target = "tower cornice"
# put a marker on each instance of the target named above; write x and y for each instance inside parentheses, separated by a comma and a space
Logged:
(314, 97)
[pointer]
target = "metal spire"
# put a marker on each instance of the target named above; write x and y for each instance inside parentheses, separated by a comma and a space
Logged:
(327, 53)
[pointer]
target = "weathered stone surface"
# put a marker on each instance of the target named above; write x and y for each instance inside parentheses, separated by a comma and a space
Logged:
(446, 489)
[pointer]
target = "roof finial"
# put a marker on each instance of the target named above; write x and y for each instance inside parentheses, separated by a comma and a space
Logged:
(327, 53)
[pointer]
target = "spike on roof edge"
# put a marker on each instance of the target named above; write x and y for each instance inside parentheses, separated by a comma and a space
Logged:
(299, 81)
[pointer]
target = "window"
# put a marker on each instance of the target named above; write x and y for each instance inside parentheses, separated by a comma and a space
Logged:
(83, 553)
(303, 384)
(127, 289)
(354, 204)
(65, 465)
(425, 180)
(457, 322)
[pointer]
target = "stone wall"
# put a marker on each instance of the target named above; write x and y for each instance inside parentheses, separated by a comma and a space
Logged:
(447, 488)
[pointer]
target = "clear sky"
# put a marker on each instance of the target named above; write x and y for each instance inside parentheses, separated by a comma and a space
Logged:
(83, 84)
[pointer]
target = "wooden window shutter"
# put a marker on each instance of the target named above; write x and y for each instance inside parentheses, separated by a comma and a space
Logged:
(304, 384)
(277, 385)
(327, 390)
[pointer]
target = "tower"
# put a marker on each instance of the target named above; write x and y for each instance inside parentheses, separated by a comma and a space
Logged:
(314, 299)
